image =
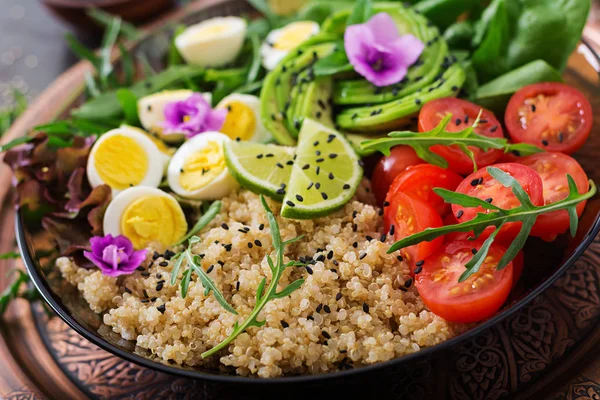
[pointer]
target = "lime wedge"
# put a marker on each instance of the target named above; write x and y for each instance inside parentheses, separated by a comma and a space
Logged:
(260, 168)
(325, 174)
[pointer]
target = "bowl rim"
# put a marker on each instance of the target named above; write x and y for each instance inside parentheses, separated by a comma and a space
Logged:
(54, 301)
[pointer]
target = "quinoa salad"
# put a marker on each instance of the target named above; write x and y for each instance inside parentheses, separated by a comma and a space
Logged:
(321, 188)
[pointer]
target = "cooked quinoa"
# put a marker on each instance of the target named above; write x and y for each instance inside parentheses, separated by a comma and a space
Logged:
(357, 306)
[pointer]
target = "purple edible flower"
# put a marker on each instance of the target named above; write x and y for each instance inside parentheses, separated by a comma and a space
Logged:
(378, 52)
(114, 255)
(192, 116)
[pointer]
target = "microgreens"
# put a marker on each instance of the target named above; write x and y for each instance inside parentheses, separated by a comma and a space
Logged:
(421, 142)
(526, 213)
(264, 295)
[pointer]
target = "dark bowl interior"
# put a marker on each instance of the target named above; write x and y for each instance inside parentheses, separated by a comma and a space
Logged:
(544, 262)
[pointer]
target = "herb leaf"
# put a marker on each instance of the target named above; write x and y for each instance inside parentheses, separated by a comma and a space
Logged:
(203, 221)
(255, 65)
(264, 295)
(421, 142)
(12, 291)
(526, 213)
(360, 13)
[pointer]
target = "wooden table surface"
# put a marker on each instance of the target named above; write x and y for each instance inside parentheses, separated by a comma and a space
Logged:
(32, 55)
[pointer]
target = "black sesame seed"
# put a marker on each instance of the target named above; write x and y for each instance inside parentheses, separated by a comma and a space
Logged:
(475, 182)
(458, 121)
(145, 293)
(369, 238)
(474, 251)
(386, 203)
(319, 160)
(338, 296)
(330, 255)
(316, 143)
(140, 268)
(380, 212)
(280, 191)
(145, 274)
(209, 270)
(237, 285)
(489, 200)
(321, 258)
(330, 138)
(545, 142)
(533, 108)
(155, 255)
(335, 263)
(324, 195)
(309, 270)
(363, 255)
(310, 317)
(418, 102)
(261, 227)
(258, 243)
(269, 155)
(318, 170)
(355, 244)
(225, 226)
(250, 245)
(318, 185)
(418, 270)
(494, 128)
(145, 301)
(399, 258)
(331, 176)
(221, 263)
(383, 237)
(459, 213)
(355, 227)
(318, 114)
(127, 290)
(310, 185)
(321, 104)
(306, 166)
(420, 263)
(279, 165)
(299, 198)
(333, 155)
(162, 308)
(284, 324)
(354, 116)
(326, 309)
(319, 308)
(326, 335)
(346, 186)
(365, 307)
(227, 247)
(290, 162)
(290, 203)
(318, 152)
(466, 119)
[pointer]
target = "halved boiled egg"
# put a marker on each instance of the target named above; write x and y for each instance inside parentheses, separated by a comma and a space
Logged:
(198, 169)
(165, 150)
(125, 157)
(151, 111)
(281, 41)
(212, 43)
(145, 215)
(243, 118)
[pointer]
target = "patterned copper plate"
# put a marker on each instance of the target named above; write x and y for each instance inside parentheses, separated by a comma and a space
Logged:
(550, 349)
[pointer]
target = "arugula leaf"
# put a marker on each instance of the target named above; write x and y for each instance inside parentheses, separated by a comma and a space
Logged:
(102, 17)
(128, 65)
(105, 67)
(361, 12)
(203, 221)
(264, 295)
(526, 213)
(128, 103)
(174, 57)
(421, 142)
(255, 64)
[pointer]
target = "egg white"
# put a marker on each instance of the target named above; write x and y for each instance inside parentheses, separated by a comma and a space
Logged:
(272, 56)
(219, 187)
(151, 111)
(261, 134)
(118, 205)
(201, 47)
(155, 170)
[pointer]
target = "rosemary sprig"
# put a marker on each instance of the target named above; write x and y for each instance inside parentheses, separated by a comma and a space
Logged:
(264, 295)
(421, 142)
(526, 213)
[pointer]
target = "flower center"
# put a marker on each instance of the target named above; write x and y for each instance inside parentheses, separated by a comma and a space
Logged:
(186, 118)
(378, 64)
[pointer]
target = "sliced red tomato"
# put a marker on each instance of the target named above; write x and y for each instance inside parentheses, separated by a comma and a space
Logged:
(553, 169)
(409, 215)
(419, 181)
(478, 297)
(551, 115)
(464, 114)
(388, 168)
(518, 265)
(481, 185)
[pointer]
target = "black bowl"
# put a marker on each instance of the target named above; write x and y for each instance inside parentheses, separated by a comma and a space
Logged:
(483, 353)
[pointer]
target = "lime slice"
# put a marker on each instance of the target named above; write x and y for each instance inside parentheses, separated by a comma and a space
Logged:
(325, 175)
(260, 168)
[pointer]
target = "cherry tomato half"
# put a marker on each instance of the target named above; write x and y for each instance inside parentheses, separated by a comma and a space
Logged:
(551, 115)
(481, 185)
(409, 215)
(419, 181)
(464, 114)
(553, 169)
(388, 168)
(476, 298)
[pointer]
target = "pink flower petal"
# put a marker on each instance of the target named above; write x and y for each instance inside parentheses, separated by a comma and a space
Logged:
(410, 47)
(383, 28)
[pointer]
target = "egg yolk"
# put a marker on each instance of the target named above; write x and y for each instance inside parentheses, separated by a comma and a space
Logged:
(211, 30)
(294, 34)
(120, 162)
(202, 167)
(153, 219)
(240, 121)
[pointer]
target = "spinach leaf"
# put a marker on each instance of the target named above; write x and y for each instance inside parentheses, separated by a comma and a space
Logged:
(512, 33)
(444, 12)
(495, 94)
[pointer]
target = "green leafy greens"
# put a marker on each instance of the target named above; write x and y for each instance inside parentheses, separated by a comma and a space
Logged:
(526, 213)
(264, 293)
(421, 142)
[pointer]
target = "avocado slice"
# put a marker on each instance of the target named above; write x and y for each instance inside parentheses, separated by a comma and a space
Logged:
(275, 96)
(314, 102)
(396, 113)
(435, 57)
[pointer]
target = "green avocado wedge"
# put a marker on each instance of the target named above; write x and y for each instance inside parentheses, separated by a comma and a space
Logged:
(275, 96)
(394, 114)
